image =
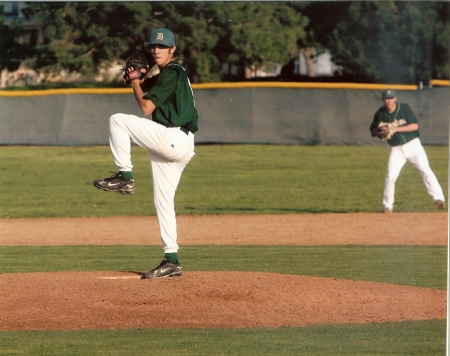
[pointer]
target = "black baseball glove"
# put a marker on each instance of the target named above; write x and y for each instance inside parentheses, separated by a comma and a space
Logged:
(137, 66)
(384, 132)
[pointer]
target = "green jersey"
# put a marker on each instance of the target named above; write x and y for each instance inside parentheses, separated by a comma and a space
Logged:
(172, 94)
(402, 111)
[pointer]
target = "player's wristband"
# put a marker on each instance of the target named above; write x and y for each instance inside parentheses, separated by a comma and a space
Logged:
(134, 74)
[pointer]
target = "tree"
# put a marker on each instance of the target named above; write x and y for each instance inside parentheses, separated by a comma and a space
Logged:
(392, 42)
(83, 36)
(441, 42)
(424, 27)
(248, 34)
(256, 33)
(374, 41)
(12, 52)
(197, 34)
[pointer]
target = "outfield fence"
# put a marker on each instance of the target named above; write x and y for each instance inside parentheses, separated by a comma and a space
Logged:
(270, 112)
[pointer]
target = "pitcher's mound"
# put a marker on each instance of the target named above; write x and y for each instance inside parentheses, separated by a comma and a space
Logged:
(103, 300)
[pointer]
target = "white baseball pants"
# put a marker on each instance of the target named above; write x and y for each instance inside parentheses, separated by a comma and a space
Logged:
(412, 151)
(170, 151)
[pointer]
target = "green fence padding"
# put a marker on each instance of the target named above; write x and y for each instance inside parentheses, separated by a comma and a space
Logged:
(227, 115)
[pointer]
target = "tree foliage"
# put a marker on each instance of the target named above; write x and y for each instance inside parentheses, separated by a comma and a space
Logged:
(256, 32)
(197, 34)
(82, 36)
(374, 41)
(12, 52)
(393, 42)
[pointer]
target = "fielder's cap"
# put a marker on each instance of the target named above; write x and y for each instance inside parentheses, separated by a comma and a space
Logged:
(162, 36)
(388, 94)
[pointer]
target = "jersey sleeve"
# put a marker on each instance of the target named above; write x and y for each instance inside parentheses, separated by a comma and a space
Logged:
(163, 88)
(410, 117)
(148, 83)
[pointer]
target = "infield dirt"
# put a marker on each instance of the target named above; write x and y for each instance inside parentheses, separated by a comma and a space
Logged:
(112, 299)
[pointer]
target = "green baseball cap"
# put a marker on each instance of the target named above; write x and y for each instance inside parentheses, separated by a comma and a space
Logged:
(162, 36)
(388, 94)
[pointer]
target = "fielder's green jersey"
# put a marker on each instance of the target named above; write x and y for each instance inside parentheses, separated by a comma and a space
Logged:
(172, 94)
(402, 111)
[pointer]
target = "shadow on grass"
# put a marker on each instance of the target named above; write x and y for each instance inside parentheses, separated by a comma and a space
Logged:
(230, 210)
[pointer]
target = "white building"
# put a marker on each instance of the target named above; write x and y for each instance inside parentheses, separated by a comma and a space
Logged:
(323, 65)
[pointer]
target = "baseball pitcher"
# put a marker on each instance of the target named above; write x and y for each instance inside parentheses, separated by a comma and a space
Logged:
(168, 136)
(397, 124)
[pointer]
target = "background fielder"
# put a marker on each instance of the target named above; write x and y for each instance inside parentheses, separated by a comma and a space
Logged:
(168, 136)
(397, 124)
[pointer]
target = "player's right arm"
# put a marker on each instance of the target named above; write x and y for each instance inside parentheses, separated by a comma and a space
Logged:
(374, 125)
(411, 121)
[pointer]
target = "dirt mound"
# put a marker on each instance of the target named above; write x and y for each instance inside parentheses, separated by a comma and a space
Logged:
(103, 300)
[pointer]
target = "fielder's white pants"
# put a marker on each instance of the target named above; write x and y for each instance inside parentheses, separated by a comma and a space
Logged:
(170, 151)
(412, 151)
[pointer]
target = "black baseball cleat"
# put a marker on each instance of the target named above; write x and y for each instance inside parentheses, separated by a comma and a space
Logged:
(165, 269)
(115, 183)
(440, 204)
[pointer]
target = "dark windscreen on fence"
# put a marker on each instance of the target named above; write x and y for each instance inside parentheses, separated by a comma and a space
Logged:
(234, 115)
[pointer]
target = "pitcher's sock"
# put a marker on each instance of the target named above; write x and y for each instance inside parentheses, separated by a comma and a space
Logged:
(172, 257)
(126, 175)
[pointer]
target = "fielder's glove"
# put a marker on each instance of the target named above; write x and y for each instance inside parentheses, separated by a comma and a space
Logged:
(137, 66)
(385, 130)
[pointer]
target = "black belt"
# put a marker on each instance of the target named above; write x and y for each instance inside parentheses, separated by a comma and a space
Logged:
(185, 130)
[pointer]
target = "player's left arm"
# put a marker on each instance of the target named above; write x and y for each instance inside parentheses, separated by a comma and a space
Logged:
(162, 90)
(411, 121)
(406, 128)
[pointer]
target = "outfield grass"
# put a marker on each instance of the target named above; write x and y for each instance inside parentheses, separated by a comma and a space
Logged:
(406, 338)
(221, 179)
(224, 179)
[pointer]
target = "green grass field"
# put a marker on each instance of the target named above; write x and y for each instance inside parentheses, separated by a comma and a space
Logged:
(419, 266)
(225, 179)
(406, 338)
(221, 179)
